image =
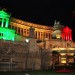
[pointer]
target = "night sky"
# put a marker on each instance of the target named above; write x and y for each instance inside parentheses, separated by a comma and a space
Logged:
(42, 11)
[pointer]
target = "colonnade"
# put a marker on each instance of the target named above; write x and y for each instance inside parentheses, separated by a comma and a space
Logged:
(38, 33)
(42, 35)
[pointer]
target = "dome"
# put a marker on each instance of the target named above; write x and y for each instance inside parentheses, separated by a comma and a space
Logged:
(55, 33)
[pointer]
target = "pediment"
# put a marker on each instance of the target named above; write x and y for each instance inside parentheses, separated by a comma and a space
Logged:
(67, 29)
(4, 14)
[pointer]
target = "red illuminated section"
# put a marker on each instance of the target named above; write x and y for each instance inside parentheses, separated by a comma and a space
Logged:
(67, 33)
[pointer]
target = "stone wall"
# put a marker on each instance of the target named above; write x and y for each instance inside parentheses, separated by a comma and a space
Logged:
(19, 56)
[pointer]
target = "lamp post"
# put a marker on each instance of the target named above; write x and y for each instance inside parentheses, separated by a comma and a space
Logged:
(27, 40)
(27, 54)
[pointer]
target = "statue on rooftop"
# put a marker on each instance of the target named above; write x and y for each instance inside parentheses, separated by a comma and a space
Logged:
(31, 32)
(57, 25)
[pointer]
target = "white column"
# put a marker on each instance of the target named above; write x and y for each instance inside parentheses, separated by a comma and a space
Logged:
(26, 32)
(45, 34)
(37, 34)
(40, 35)
(2, 22)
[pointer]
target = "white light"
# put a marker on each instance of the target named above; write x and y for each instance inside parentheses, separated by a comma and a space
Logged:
(58, 36)
(63, 61)
(27, 40)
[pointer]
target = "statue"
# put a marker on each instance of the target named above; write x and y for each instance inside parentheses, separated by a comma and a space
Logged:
(31, 32)
(57, 25)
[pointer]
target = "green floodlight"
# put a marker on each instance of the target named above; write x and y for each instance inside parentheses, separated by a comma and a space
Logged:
(5, 32)
(4, 18)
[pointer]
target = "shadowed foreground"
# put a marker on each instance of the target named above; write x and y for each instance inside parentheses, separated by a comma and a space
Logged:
(37, 73)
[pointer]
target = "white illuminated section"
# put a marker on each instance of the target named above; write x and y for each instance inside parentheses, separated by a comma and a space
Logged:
(58, 36)
(27, 40)
(63, 61)
(71, 54)
(62, 54)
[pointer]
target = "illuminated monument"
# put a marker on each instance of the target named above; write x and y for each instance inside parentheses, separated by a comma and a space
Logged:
(23, 54)
(57, 38)
(26, 29)
(5, 32)
(22, 27)
(65, 33)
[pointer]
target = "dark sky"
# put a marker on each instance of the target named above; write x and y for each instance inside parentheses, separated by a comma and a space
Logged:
(43, 11)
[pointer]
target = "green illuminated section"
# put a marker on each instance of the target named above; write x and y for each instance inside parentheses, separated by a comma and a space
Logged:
(7, 34)
(4, 19)
(3, 14)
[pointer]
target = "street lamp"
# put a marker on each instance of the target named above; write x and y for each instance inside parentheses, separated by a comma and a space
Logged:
(27, 40)
(27, 54)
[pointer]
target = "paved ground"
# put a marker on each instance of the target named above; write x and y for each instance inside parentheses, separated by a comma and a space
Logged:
(36, 73)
